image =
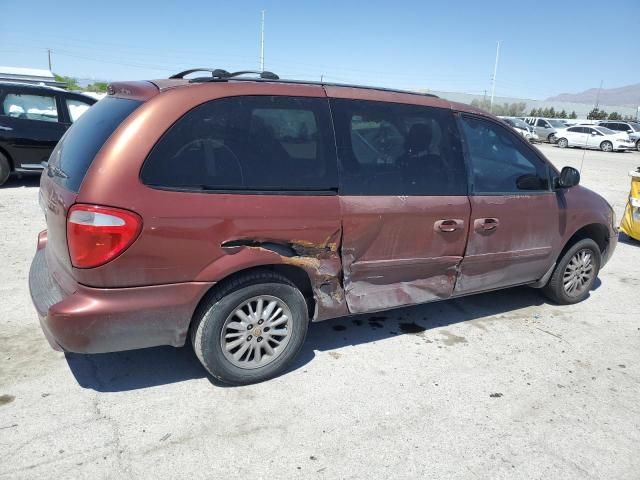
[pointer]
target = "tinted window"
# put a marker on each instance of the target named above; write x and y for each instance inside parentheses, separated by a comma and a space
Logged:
(397, 149)
(574, 130)
(248, 143)
(75, 151)
(541, 123)
(30, 107)
(501, 162)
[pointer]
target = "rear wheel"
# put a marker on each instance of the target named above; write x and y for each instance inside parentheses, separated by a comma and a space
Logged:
(563, 143)
(575, 273)
(5, 169)
(606, 146)
(551, 138)
(638, 145)
(250, 329)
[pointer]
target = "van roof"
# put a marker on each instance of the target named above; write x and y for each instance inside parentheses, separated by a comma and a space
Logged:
(144, 90)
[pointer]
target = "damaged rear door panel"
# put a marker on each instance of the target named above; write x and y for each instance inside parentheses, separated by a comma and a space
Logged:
(405, 210)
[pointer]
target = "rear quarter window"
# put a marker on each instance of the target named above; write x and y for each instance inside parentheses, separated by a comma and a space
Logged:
(75, 152)
(249, 143)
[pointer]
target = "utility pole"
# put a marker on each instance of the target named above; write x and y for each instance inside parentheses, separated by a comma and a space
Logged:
(49, 54)
(262, 43)
(493, 80)
(598, 95)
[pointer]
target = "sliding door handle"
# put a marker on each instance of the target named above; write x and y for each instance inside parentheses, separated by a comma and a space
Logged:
(485, 224)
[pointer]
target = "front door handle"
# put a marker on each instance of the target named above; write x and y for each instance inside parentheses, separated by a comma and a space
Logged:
(485, 224)
(448, 225)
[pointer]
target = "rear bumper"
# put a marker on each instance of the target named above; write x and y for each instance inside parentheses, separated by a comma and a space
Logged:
(99, 320)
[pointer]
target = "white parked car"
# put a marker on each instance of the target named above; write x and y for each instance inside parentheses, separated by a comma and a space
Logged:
(522, 127)
(596, 137)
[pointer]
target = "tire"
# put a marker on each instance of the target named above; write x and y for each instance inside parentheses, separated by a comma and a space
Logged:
(638, 145)
(563, 143)
(606, 146)
(551, 138)
(217, 316)
(5, 169)
(556, 289)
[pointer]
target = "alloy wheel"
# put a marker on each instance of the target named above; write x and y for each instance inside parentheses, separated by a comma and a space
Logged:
(579, 272)
(256, 332)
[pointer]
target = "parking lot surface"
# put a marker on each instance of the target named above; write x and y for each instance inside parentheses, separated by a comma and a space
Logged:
(499, 385)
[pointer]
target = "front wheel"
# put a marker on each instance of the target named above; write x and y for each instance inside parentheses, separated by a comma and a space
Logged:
(606, 146)
(5, 169)
(575, 273)
(638, 145)
(563, 143)
(552, 138)
(250, 329)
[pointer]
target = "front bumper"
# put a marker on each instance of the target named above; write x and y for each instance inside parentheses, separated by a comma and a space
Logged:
(624, 146)
(98, 320)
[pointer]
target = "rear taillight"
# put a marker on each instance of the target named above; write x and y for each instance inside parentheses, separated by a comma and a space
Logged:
(97, 235)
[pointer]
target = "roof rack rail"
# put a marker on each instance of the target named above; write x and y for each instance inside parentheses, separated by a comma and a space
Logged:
(220, 74)
(215, 73)
(264, 75)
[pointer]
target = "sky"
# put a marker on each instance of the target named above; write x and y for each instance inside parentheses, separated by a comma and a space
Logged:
(546, 48)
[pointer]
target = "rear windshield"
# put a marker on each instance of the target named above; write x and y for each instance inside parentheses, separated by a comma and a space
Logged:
(73, 155)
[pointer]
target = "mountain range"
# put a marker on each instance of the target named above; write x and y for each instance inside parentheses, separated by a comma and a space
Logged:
(628, 96)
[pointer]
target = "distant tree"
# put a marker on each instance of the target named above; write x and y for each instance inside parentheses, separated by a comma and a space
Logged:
(562, 114)
(615, 116)
(597, 114)
(573, 115)
(533, 112)
(70, 82)
(99, 87)
(552, 112)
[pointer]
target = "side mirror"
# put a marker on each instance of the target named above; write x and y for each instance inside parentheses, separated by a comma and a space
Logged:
(593, 133)
(569, 177)
(629, 131)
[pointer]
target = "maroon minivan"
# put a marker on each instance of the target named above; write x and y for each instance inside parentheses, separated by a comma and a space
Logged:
(234, 210)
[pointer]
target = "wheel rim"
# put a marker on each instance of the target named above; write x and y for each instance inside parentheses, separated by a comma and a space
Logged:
(579, 273)
(562, 143)
(607, 147)
(256, 332)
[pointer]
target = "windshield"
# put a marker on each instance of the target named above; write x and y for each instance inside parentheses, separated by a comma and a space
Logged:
(605, 130)
(635, 126)
(557, 124)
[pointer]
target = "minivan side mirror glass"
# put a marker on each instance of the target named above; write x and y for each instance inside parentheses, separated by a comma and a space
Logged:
(569, 177)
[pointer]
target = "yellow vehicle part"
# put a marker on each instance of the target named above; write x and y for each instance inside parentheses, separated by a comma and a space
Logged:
(631, 219)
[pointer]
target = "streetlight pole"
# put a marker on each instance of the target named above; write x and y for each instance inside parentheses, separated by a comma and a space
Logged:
(262, 43)
(495, 72)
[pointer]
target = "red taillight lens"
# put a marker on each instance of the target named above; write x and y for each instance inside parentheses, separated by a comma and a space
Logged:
(97, 235)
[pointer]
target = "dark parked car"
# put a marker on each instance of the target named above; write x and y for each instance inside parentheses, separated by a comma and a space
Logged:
(232, 211)
(33, 118)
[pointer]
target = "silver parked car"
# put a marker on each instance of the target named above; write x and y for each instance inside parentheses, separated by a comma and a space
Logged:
(546, 128)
